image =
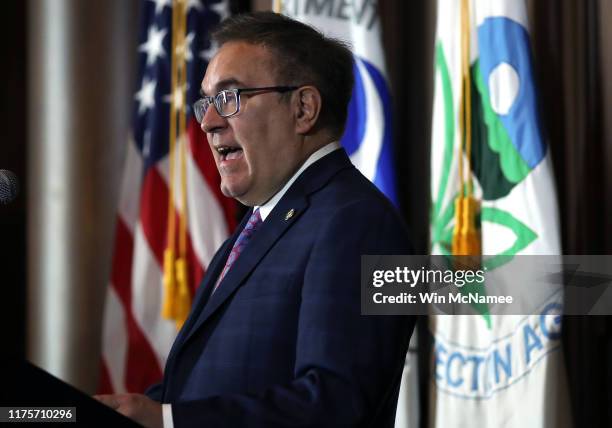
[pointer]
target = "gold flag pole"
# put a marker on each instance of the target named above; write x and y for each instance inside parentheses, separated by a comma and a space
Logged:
(466, 235)
(183, 301)
(177, 298)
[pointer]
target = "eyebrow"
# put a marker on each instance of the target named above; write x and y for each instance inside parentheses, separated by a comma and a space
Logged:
(224, 84)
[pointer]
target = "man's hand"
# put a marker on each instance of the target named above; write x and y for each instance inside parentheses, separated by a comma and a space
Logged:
(135, 406)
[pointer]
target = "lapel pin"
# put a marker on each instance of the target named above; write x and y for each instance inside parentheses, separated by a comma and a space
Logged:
(289, 214)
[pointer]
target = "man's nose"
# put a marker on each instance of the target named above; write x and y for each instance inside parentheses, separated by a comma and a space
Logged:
(212, 122)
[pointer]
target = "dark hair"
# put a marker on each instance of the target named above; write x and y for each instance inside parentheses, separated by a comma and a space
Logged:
(303, 56)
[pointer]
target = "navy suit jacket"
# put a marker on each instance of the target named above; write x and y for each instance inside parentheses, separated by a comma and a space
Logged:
(281, 342)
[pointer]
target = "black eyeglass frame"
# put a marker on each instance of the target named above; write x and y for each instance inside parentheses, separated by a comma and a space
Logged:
(200, 106)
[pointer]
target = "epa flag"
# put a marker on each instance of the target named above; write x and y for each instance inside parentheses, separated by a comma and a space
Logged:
(171, 215)
(368, 135)
(493, 196)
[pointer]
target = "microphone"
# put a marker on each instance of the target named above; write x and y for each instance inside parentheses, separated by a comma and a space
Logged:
(9, 186)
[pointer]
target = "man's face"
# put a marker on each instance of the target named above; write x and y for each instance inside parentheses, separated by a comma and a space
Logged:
(266, 150)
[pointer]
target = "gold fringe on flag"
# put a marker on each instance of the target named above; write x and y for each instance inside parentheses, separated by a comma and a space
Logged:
(466, 234)
(177, 297)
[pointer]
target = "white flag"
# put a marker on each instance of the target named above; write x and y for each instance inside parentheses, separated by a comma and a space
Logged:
(495, 370)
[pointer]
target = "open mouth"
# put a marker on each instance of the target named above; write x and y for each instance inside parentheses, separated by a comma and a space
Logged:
(229, 153)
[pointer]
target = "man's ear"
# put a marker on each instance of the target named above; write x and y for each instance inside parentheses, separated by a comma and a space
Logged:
(307, 105)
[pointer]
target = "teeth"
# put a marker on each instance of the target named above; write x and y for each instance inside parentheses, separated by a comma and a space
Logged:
(233, 154)
(229, 153)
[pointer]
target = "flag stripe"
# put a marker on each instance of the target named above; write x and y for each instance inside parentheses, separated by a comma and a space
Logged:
(114, 349)
(136, 338)
(129, 203)
(137, 343)
(143, 367)
(105, 386)
(154, 213)
(204, 211)
(147, 299)
(122, 261)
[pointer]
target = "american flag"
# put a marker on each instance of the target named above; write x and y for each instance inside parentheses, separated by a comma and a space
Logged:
(136, 338)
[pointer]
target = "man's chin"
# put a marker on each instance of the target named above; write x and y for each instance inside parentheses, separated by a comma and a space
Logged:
(236, 193)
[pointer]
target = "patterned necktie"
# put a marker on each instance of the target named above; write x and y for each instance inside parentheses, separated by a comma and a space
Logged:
(243, 239)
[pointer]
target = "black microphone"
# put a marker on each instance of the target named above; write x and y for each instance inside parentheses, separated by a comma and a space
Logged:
(9, 186)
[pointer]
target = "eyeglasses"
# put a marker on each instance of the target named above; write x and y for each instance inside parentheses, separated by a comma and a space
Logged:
(227, 102)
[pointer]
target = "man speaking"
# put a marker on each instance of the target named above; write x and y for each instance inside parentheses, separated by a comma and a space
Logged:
(275, 337)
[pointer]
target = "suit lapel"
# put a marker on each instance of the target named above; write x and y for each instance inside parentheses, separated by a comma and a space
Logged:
(275, 225)
(263, 239)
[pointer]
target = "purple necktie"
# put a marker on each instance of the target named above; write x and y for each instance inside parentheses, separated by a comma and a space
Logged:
(243, 239)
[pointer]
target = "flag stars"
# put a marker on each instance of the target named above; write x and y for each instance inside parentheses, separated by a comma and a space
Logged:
(221, 9)
(185, 48)
(207, 54)
(177, 98)
(154, 45)
(146, 95)
(194, 4)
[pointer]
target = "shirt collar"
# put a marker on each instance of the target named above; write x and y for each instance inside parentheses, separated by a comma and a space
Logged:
(266, 209)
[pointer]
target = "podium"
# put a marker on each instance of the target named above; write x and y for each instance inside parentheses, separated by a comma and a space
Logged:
(24, 385)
